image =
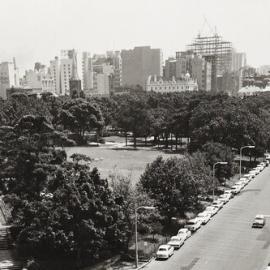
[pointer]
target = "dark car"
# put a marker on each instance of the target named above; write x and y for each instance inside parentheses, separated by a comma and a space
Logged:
(258, 222)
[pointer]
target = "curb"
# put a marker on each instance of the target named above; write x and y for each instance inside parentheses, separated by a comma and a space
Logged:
(142, 266)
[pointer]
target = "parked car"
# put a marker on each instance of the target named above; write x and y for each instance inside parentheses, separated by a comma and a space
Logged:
(229, 193)
(260, 167)
(266, 162)
(241, 184)
(236, 189)
(248, 176)
(176, 242)
(218, 203)
(244, 180)
(184, 233)
(224, 198)
(258, 222)
(253, 173)
(204, 217)
(193, 224)
(268, 267)
(164, 252)
(211, 209)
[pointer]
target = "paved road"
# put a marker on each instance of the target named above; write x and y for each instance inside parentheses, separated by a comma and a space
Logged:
(228, 242)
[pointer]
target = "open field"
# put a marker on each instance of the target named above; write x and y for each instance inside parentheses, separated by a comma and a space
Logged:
(115, 157)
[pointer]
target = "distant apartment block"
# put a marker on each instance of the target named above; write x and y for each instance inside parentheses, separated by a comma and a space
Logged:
(139, 63)
(157, 84)
(9, 77)
(54, 70)
(87, 71)
(238, 61)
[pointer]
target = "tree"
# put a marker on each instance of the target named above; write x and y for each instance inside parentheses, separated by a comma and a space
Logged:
(176, 183)
(79, 116)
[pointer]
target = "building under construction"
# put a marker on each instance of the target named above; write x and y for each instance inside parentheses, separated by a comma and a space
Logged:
(217, 51)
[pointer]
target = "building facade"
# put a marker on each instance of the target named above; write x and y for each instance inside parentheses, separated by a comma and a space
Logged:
(139, 63)
(9, 77)
(54, 71)
(239, 61)
(157, 84)
(87, 71)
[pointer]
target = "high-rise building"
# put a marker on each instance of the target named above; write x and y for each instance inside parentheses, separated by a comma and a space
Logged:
(116, 61)
(75, 86)
(170, 68)
(238, 61)
(9, 77)
(65, 71)
(199, 69)
(54, 70)
(139, 63)
(217, 51)
(87, 71)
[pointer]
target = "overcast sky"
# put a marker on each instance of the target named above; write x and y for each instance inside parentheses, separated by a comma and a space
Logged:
(36, 30)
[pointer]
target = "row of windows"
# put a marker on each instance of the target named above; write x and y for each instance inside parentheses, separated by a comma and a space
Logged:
(170, 88)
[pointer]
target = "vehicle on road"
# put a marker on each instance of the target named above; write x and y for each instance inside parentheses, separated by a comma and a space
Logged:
(224, 198)
(239, 183)
(164, 252)
(176, 242)
(184, 233)
(236, 189)
(268, 267)
(244, 180)
(258, 222)
(248, 176)
(218, 203)
(193, 224)
(229, 193)
(211, 209)
(253, 173)
(204, 217)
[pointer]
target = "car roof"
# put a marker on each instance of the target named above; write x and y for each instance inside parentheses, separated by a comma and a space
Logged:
(183, 230)
(259, 216)
(164, 246)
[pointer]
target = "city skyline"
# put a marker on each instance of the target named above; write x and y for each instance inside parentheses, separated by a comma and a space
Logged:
(39, 29)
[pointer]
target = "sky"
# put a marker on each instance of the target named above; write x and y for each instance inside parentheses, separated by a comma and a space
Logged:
(36, 30)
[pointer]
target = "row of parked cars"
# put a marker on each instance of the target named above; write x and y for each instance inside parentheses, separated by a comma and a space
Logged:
(192, 225)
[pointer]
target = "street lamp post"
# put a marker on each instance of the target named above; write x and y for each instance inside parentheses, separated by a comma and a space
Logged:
(136, 233)
(240, 163)
(221, 163)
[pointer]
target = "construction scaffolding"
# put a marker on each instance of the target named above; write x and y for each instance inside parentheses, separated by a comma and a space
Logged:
(216, 51)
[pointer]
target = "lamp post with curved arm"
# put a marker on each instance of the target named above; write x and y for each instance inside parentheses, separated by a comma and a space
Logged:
(240, 162)
(136, 234)
(221, 163)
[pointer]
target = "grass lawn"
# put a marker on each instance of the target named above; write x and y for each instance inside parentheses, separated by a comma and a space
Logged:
(115, 157)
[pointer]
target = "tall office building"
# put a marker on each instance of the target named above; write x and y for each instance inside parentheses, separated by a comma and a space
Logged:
(9, 77)
(199, 69)
(65, 70)
(170, 68)
(238, 61)
(139, 63)
(54, 70)
(75, 86)
(114, 58)
(87, 71)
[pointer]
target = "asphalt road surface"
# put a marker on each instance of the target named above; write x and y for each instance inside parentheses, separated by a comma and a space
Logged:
(228, 242)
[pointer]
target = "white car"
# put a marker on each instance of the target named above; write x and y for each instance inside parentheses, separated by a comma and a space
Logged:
(229, 193)
(260, 167)
(248, 176)
(204, 217)
(236, 189)
(218, 204)
(268, 267)
(184, 233)
(253, 173)
(164, 252)
(240, 184)
(224, 197)
(245, 180)
(211, 209)
(193, 224)
(176, 242)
